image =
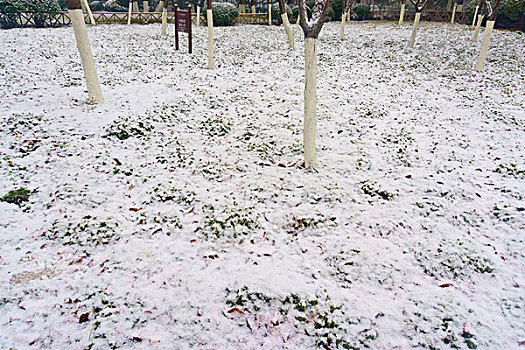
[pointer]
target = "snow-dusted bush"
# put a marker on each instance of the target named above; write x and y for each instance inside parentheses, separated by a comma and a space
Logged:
(42, 11)
(360, 12)
(276, 13)
(224, 13)
(9, 13)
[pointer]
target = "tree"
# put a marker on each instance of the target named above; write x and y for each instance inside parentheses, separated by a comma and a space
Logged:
(481, 16)
(347, 4)
(84, 48)
(402, 12)
(311, 28)
(419, 5)
(475, 14)
(286, 23)
(491, 14)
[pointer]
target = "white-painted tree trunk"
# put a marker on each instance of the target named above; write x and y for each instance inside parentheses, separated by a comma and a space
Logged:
(453, 13)
(86, 57)
(198, 15)
(485, 45)
(298, 18)
(145, 6)
(129, 12)
(164, 20)
(310, 102)
(253, 9)
(90, 14)
(414, 30)
(475, 16)
(288, 29)
(402, 14)
(478, 25)
(210, 38)
(342, 31)
(270, 13)
(160, 6)
(348, 15)
(135, 6)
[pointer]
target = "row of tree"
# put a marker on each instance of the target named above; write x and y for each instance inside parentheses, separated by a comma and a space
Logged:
(311, 24)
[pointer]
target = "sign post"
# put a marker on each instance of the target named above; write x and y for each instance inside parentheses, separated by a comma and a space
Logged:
(183, 25)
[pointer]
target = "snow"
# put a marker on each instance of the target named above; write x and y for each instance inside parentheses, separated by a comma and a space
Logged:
(408, 235)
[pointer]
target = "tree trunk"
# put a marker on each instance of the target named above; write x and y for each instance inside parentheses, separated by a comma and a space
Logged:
(310, 102)
(253, 9)
(86, 57)
(198, 15)
(145, 6)
(414, 30)
(478, 25)
(449, 5)
(453, 13)
(129, 12)
(88, 9)
(210, 38)
(160, 6)
(485, 45)
(402, 14)
(269, 13)
(475, 16)
(135, 6)
(288, 29)
(164, 20)
(342, 31)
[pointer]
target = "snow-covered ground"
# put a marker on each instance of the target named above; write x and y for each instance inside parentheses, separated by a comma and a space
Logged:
(177, 214)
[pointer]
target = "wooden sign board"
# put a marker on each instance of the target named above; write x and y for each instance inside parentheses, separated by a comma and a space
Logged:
(183, 25)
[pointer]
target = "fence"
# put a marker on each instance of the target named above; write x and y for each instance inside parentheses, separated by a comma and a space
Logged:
(62, 19)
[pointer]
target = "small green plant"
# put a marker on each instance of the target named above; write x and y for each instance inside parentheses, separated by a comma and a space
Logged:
(511, 170)
(126, 127)
(229, 222)
(89, 231)
(17, 196)
(215, 126)
(370, 188)
(299, 224)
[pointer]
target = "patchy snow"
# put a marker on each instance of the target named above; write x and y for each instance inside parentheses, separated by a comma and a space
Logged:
(176, 213)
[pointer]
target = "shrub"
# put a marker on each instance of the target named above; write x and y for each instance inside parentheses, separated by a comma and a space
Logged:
(97, 6)
(224, 14)
(9, 13)
(114, 6)
(276, 14)
(336, 10)
(43, 11)
(361, 11)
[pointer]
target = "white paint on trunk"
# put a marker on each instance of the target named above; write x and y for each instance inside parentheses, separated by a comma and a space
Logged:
(160, 6)
(288, 29)
(342, 31)
(485, 45)
(164, 20)
(478, 25)
(198, 15)
(475, 16)
(129, 12)
(310, 102)
(414, 30)
(348, 15)
(402, 14)
(298, 17)
(86, 57)
(270, 13)
(453, 13)
(90, 14)
(145, 6)
(253, 9)
(210, 38)
(135, 6)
